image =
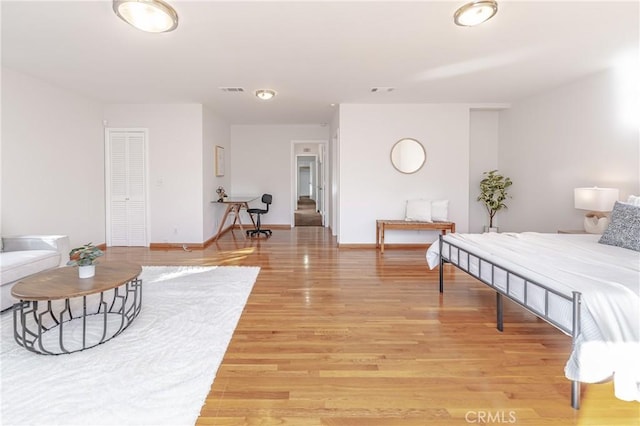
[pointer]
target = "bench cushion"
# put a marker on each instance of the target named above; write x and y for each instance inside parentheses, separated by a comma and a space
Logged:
(418, 211)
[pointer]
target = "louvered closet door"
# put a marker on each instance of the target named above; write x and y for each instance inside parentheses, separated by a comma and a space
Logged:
(127, 198)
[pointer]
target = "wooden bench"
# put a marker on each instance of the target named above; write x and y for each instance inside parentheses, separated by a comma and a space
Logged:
(383, 224)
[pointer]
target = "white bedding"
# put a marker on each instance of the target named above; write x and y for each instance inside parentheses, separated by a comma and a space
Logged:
(607, 277)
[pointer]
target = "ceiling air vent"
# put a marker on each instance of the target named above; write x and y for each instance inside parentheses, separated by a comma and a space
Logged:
(382, 89)
(232, 89)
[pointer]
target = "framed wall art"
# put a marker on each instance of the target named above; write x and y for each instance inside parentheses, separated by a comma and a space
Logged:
(219, 161)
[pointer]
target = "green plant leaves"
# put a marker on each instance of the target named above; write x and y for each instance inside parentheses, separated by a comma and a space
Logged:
(493, 192)
(84, 255)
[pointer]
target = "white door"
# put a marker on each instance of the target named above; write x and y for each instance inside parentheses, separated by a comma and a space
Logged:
(320, 182)
(126, 188)
(304, 181)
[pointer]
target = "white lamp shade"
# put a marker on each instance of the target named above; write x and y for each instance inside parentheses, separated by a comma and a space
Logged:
(595, 199)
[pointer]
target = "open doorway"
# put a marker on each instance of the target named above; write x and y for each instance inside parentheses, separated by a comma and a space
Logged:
(307, 211)
(308, 183)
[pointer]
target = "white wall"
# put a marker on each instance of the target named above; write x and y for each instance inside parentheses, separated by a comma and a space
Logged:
(306, 149)
(483, 156)
(175, 150)
(333, 156)
(371, 188)
(52, 161)
(562, 139)
(215, 132)
(262, 162)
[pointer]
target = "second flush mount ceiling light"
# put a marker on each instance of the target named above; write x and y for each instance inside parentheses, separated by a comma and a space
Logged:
(265, 94)
(475, 13)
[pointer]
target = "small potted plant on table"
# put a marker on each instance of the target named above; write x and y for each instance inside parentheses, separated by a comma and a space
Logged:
(84, 258)
(493, 193)
(222, 194)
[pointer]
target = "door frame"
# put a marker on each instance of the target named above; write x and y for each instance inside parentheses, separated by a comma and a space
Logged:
(107, 175)
(294, 177)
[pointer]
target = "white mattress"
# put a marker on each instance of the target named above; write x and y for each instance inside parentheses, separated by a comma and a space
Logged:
(608, 278)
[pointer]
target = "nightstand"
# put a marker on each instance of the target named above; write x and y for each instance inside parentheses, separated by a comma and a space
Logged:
(571, 231)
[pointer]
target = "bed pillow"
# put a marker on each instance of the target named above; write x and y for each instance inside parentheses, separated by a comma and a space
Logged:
(624, 227)
(440, 210)
(418, 210)
(634, 200)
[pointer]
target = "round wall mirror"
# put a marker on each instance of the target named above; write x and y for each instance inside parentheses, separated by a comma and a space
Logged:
(408, 155)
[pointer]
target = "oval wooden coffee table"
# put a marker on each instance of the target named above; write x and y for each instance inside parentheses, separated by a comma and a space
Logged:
(59, 313)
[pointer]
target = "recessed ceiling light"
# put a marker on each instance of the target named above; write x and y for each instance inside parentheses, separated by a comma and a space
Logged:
(153, 16)
(232, 89)
(265, 94)
(475, 13)
(382, 89)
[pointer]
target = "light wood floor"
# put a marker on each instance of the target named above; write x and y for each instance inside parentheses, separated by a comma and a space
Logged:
(350, 337)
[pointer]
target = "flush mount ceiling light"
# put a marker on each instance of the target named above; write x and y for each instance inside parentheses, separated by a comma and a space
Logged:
(475, 13)
(265, 94)
(153, 16)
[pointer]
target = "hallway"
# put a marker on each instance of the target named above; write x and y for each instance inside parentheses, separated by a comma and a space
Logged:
(307, 213)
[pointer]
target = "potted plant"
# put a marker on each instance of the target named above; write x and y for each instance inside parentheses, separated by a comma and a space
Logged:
(84, 258)
(222, 194)
(493, 193)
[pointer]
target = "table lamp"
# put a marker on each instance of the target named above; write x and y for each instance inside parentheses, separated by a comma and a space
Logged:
(598, 202)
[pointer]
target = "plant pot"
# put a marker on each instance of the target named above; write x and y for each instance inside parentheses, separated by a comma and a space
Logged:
(87, 271)
(491, 229)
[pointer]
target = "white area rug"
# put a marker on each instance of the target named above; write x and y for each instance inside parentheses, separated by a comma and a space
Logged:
(157, 372)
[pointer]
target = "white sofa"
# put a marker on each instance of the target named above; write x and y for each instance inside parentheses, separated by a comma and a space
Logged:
(24, 255)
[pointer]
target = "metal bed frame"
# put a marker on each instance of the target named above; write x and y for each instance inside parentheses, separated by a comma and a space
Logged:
(525, 301)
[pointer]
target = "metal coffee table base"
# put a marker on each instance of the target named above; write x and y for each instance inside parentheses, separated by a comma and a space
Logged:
(55, 327)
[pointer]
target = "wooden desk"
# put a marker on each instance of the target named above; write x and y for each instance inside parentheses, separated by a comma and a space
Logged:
(234, 205)
(383, 224)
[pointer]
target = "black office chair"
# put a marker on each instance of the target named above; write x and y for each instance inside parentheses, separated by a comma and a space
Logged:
(266, 199)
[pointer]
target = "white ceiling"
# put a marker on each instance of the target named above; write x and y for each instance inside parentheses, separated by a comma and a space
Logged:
(315, 53)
